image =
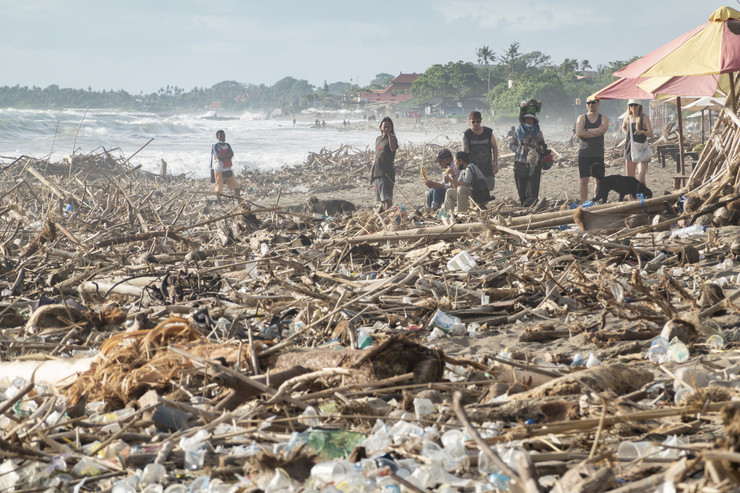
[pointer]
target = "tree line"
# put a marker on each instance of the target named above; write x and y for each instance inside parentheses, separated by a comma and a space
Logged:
(504, 79)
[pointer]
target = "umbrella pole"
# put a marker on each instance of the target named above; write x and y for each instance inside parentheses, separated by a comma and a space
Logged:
(680, 137)
(733, 100)
(702, 127)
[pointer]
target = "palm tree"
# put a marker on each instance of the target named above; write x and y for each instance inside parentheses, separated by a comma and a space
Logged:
(584, 65)
(510, 57)
(486, 55)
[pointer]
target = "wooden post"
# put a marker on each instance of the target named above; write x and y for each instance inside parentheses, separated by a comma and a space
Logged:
(733, 96)
(680, 137)
(163, 167)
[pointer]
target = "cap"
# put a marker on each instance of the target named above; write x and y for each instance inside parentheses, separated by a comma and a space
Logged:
(531, 115)
(474, 114)
(633, 101)
(444, 153)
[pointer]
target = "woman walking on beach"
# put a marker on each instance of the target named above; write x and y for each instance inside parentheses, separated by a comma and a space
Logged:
(383, 172)
(527, 144)
(641, 130)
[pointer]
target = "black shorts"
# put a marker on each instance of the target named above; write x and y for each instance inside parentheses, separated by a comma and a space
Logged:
(587, 163)
(227, 174)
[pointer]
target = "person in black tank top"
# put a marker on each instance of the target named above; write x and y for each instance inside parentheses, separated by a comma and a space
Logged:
(590, 130)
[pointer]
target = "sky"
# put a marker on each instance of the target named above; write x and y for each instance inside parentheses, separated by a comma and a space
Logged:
(144, 45)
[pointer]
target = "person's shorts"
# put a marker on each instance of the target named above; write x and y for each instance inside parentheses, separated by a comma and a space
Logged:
(587, 163)
(383, 189)
(226, 177)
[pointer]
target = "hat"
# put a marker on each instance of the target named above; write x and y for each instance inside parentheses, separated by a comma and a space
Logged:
(531, 115)
(474, 114)
(633, 101)
(444, 153)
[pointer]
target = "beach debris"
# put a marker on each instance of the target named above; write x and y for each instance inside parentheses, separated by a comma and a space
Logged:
(152, 337)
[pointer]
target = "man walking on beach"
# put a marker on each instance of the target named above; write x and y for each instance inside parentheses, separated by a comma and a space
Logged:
(223, 173)
(590, 130)
(480, 143)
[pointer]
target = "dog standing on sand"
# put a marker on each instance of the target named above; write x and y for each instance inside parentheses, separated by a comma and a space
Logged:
(623, 185)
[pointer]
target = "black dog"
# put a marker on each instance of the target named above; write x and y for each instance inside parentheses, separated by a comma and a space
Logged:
(623, 185)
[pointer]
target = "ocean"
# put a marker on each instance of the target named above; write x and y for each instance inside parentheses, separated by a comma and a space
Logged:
(183, 140)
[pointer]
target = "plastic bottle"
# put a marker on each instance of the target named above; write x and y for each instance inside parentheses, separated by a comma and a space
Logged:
(694, 229)
(587, 204)
(423, 407)
(442, 320)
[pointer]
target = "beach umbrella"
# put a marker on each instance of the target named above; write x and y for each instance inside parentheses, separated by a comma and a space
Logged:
(710, 49)
(692, 64)
(702, 105)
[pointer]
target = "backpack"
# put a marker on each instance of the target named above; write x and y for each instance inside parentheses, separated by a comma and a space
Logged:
(481, 195)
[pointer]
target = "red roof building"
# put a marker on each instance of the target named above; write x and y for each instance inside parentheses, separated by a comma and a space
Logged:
(399, 91)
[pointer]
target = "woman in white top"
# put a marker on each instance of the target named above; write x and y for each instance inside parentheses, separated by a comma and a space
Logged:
(641, 130)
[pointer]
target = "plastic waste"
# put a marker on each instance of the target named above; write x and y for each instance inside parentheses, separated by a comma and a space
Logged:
(715, 341)
(577, 360)
(309, 417)
(334, 444)
(473, 328)
(458, 329)
(153, 474)
(587, 204)
(462, 261)
(500, 481)
(423, 407)
(694, 229)
(678, 351)
(125, 485)
(634, 450)
(658, 351)
(363, 338)
(725, 264)
(592, 361)
(195, 450)
(435, 334)
(442, 320)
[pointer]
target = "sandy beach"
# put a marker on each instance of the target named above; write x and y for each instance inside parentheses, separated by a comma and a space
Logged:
(559, 184)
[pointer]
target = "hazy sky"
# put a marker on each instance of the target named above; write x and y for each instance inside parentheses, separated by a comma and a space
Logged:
(142, 45)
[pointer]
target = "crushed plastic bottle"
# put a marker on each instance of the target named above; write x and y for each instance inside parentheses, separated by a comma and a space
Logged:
(694, 229)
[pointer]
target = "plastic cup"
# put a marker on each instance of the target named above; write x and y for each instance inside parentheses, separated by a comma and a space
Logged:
(634, 450)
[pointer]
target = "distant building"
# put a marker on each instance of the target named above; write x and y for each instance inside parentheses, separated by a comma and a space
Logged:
(454, 106)
(399, 91)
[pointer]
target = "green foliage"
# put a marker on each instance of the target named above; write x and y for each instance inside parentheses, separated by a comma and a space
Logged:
(456, 79)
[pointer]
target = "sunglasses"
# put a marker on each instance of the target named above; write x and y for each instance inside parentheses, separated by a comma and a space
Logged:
(475, 121)
(634, 104)
(592, 102)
